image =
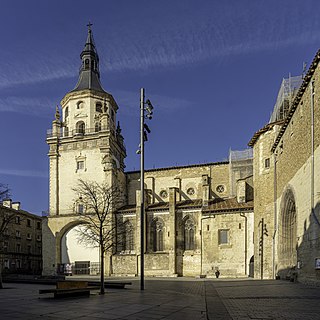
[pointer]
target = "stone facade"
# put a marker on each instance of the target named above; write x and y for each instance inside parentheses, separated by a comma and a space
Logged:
(21, 240)
(287, 193)
(199, 218)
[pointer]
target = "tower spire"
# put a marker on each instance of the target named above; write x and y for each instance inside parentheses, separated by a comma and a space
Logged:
(89, 77)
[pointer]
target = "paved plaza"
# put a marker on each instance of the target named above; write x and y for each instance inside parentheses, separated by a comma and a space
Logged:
(179, 298)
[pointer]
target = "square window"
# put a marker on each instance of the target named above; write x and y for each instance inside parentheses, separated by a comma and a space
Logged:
(223, 236)
(80, 165)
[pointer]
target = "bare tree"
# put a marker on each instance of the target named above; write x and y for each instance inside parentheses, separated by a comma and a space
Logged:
(96, 204)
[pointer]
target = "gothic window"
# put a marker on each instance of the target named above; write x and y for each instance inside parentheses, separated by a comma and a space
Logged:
(126, 242)
(86, 63)
(80, 127)
(157, 230)
(189, 234)
(223, 235)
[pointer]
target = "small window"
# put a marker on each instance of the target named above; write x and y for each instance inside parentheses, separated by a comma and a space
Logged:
(66, 131)
(99, 107)
(38, 225)
(80, 127)
(38, 237)
(17, 220)
(29, 249)
(223, 236)
(29, 236)
(18, 247)
(220, 188)
(66, 113)
(18, 234)
(80, 208)
(97, 126)
(267, 163)
(28, 223)
(80, 165)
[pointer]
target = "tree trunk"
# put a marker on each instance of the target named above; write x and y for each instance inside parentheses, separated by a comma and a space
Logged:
(101, 269)
(1, 283)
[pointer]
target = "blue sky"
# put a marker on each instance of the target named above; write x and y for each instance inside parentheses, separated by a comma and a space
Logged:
(212, 70)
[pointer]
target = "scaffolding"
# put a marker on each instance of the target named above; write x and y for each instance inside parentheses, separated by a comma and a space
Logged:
(286, 95)
(240, 166)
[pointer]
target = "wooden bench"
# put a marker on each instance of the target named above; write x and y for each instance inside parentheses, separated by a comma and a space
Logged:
(70, 289)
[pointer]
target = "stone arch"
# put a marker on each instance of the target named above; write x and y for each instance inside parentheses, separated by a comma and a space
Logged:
(287, 247)
(59, 235)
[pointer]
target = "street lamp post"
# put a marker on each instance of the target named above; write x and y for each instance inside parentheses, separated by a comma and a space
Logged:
(145, 112)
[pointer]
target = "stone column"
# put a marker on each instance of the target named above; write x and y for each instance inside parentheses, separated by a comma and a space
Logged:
(205, 190)
(172, 231)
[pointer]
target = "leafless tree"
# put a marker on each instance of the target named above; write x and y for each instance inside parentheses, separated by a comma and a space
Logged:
(96, 204)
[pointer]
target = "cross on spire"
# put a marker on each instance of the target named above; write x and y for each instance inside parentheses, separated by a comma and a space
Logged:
(89, 25)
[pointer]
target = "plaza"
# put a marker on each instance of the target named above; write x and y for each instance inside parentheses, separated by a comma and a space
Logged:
(165, 298)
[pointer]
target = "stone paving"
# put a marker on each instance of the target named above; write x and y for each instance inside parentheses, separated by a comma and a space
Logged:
(180, 298)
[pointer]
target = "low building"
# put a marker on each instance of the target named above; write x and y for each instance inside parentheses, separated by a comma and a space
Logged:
(20, 239)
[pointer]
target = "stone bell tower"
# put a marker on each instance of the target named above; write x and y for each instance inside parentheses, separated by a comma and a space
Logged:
(85, 143)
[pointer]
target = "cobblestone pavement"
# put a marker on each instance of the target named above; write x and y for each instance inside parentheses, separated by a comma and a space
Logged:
(179, 298)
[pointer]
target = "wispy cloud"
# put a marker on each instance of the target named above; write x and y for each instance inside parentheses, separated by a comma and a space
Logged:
(35, 106)
(24, 173)
(129, 102)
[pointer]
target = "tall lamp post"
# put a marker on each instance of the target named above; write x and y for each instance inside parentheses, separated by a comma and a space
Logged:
(145, 113)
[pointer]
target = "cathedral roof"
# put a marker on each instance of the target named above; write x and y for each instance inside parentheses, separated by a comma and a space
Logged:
(215, 206)
(89, 76)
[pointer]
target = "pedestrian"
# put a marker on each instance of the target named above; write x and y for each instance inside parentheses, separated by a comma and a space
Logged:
(217, 273)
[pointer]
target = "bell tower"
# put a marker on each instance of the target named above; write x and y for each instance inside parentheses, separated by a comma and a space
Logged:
(85, 142)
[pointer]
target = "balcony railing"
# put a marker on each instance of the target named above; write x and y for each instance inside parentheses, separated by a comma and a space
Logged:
(75, 133)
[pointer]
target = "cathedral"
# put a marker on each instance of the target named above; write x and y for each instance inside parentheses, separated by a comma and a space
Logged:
(255, 215)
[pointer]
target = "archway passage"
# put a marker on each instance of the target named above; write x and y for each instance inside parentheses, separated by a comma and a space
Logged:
(76, 257)
(288, 233)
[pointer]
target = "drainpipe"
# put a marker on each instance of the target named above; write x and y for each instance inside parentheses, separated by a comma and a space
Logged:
(245, 242)
(275, 216)
(312, 149)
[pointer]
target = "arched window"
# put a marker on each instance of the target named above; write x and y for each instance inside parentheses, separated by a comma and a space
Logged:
(97, 126)
(128, 241)
(86, 64)
(66, 113)
(156, 235)
(66, 131)
(189, 234)
(99, 107)
(80, 127)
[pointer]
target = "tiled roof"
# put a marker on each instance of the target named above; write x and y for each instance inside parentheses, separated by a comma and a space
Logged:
(182, 167)
(227, 205)
(266, 128)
